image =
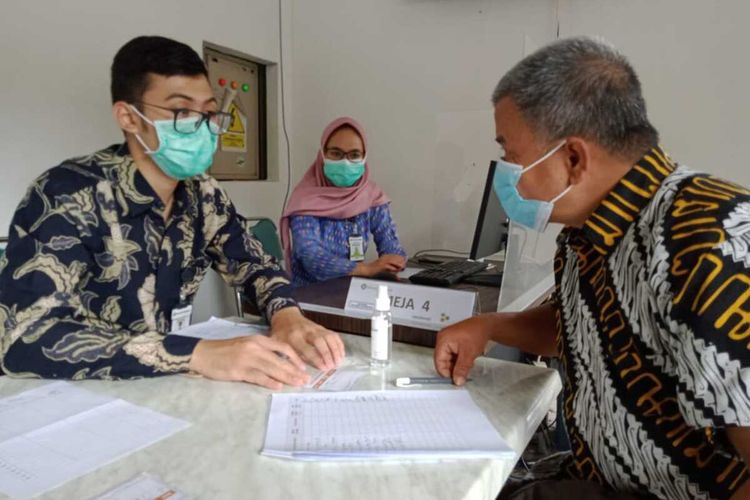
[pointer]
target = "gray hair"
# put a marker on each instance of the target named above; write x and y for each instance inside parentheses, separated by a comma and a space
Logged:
(581, 87)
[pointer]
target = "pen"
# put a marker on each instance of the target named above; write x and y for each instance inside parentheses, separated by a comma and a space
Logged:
(415, 381)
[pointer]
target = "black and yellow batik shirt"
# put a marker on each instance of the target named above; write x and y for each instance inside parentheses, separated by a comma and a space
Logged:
(92, 272)
(654, 332)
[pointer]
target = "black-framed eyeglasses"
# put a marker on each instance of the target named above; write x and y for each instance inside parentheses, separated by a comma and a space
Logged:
(337, 154)
(188, 121)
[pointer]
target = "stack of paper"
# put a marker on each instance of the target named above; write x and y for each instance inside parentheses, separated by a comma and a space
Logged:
(57, 432)
(342, 377)
(220, 329)
(380, 425)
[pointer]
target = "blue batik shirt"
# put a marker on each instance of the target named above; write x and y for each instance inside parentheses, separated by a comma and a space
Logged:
(320, 248)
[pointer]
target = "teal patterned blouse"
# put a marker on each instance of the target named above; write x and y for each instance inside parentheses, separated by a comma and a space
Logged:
(92, 271)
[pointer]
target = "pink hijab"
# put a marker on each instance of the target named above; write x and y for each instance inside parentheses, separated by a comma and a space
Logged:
(315, 195)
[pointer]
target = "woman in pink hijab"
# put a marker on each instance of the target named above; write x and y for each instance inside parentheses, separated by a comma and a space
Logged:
(326, 227)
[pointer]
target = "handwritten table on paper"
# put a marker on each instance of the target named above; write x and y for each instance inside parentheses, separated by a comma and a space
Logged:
(391, 424)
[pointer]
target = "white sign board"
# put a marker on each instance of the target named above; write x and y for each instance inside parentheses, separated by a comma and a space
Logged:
(418, 306)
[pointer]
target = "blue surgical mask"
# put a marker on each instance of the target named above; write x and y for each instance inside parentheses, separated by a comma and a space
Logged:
(343, 173)
(180, 156)
(533, 214)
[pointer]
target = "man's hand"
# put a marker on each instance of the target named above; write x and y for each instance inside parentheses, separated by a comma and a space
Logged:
(388, 263)
(316, 345)
(257, 360)
(458, 346)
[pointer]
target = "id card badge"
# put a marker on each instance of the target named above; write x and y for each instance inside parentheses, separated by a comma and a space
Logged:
(181, 317)
(356, 248)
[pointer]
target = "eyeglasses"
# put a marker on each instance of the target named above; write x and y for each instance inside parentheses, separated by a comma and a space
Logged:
(188, 121)
(338, 154)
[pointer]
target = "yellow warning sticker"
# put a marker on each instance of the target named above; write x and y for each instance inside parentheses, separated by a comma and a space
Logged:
(235, 138)
(238, 121)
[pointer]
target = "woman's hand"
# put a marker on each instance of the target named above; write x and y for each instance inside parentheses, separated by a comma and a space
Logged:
(388, 263)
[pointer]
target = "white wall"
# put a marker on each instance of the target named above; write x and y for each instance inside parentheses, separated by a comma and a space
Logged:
(419, 75)
(54, 89)
(692, 60)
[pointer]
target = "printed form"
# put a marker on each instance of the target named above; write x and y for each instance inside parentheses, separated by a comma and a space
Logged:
(57, 432)
(358, 425)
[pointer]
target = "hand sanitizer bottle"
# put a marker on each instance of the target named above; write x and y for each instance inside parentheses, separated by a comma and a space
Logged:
(381, 333)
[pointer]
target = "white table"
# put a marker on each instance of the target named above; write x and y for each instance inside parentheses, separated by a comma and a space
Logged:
(218, 456)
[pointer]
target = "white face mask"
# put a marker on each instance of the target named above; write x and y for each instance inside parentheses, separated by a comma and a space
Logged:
(534, 214)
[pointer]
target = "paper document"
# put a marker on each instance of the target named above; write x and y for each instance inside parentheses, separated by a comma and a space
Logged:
(220, 329)
(58, 432)
(340, 378)
(380, 425)
(142, 487)
(43, 406)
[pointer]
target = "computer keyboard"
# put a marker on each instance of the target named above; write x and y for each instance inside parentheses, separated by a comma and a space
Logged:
(448, 273)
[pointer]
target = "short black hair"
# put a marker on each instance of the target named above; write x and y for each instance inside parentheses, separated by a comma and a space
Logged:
(150, 54)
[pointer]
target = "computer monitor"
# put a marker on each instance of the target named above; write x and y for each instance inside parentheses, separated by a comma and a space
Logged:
(491, 233)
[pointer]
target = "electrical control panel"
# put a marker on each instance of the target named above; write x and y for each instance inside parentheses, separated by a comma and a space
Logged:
(241, 152)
